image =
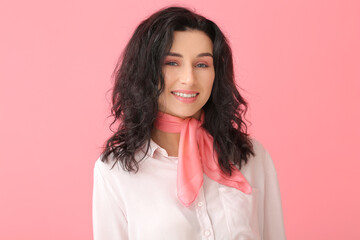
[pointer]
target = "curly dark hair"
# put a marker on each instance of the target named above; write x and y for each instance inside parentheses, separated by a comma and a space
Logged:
(138, 75)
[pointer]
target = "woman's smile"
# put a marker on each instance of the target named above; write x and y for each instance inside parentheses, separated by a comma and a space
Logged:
(185, 97)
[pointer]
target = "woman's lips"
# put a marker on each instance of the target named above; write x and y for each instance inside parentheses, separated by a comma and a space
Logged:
(185, 91)
(186, 99)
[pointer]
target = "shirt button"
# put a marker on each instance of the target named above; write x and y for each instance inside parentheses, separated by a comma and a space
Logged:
(200, 204)
(207, 233)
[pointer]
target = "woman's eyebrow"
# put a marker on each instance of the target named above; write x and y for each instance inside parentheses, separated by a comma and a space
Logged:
(179, 55)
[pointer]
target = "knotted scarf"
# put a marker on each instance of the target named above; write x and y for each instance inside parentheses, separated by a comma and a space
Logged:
(197, 156)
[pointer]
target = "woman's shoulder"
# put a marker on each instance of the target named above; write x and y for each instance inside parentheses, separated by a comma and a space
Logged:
(255, 168)
(109, 168)
(112, 167)
(256, 143)
(118, 164)
(260, 151)
(104, 164)
(101, 167)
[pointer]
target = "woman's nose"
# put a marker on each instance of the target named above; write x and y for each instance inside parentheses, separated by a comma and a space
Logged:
(188, 77)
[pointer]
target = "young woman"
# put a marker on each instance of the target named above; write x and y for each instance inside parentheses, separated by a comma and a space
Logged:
(181, 164)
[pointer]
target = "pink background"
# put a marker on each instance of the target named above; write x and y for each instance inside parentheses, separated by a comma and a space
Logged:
(297, 61)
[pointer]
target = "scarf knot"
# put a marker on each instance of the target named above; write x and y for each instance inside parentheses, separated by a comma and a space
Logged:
(197, 156)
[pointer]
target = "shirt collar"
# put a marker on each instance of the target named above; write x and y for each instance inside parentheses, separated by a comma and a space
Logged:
(154, 147)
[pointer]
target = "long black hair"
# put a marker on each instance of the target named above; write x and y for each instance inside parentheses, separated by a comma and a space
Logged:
(138, 76)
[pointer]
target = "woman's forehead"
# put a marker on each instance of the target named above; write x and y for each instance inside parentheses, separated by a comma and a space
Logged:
(191, 41)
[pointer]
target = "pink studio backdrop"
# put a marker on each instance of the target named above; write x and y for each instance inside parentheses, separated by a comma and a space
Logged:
(297, 61)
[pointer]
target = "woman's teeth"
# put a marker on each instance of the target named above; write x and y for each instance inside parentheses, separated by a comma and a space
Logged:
(185, 95)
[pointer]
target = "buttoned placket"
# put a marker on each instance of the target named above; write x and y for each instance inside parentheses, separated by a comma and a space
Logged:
(207, 232)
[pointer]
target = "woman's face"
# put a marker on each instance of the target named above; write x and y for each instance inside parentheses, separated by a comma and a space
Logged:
(189, 74)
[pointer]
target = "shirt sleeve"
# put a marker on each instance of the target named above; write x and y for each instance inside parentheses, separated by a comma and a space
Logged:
(273, 215)
(109, 220)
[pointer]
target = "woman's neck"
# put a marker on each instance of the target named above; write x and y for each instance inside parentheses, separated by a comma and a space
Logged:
(168, 141)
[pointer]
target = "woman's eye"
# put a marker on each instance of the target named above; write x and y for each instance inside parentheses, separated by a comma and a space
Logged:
(171, 63)
(202, 65)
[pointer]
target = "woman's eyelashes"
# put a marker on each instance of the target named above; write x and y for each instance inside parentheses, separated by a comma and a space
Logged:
(201, 65)
(171, 63)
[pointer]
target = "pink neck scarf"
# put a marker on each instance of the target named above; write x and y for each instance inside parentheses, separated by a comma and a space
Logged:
(196, 156)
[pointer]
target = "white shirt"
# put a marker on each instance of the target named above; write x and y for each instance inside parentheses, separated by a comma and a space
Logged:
(144, 206)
